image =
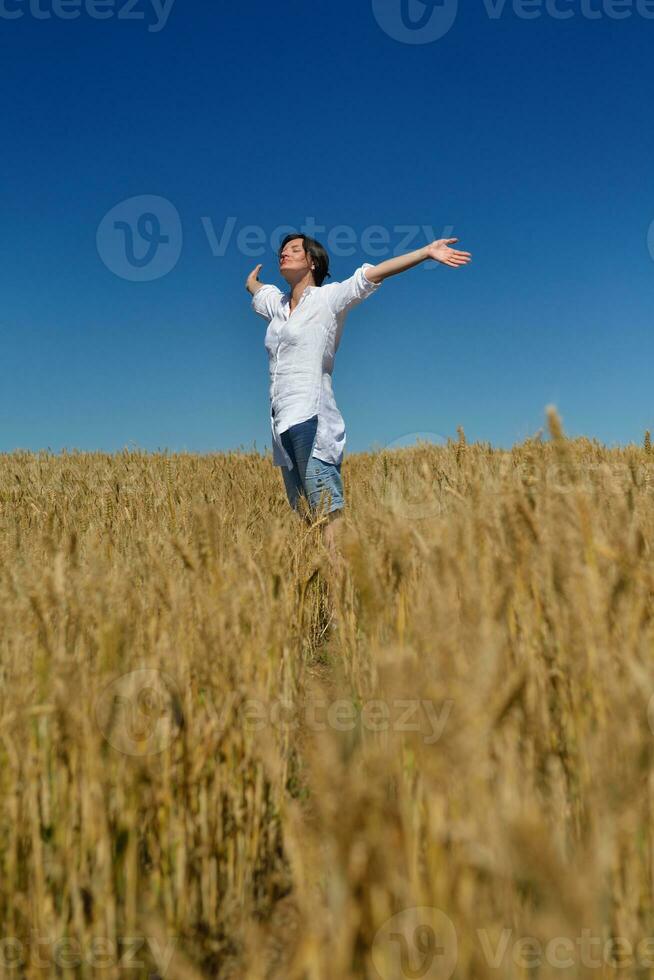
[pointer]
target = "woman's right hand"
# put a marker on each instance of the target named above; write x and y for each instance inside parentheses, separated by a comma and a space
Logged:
(252, 280)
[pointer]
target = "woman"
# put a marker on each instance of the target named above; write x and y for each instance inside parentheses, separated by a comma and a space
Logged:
(304, 330)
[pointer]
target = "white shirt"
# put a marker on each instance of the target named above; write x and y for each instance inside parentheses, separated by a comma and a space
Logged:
(301, 349)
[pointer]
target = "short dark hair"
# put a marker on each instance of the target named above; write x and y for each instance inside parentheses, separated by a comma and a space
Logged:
(317, 253)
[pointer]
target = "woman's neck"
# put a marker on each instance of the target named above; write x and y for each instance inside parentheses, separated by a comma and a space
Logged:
(297, 291)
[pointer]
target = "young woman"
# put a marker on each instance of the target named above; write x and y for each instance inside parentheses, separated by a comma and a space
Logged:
(304, 330)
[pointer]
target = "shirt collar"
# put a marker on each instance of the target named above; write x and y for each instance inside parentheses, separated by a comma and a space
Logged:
(307, 289)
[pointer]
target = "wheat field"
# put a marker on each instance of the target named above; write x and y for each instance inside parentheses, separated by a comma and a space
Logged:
(201, 777)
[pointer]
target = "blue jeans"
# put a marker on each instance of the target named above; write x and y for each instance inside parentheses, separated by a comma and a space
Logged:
(318, 482)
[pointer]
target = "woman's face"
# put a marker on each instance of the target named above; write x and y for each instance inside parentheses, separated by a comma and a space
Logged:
(294, 262)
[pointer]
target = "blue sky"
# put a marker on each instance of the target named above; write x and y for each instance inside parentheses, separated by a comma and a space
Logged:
(531, 138)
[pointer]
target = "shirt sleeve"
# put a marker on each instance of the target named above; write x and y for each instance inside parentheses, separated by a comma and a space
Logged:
(342, 296)
(265, 300)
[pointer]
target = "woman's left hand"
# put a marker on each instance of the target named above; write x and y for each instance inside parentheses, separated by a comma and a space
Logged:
(440, 251)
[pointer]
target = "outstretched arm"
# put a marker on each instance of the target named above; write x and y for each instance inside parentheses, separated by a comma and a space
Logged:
(439, 250)
(265, 297)
(252, 283)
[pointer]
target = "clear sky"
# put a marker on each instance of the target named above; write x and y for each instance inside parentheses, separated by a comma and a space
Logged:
(526, 130)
